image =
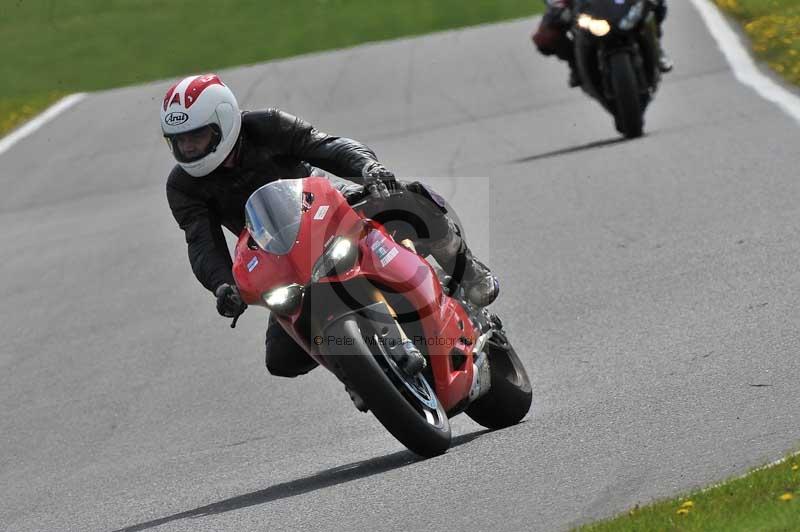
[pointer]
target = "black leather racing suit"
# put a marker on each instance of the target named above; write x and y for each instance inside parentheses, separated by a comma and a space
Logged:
(276, 145)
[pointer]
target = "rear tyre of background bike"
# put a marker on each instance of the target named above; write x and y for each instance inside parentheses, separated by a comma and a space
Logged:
(510, 395)
(630, 112)
(363, 369)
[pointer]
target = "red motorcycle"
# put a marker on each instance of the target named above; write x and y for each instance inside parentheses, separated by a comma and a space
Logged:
(353, 298)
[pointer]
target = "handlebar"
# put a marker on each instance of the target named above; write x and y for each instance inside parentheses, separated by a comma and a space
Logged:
(371, 189)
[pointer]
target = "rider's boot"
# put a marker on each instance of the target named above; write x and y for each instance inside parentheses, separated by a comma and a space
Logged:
(480, 286)
(665, 63)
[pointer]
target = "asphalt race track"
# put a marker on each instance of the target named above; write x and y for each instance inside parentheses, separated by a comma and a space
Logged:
(651, 287)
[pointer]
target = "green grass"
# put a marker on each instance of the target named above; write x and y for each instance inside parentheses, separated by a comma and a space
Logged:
(774, 30)
(751, 503)
(61, 46)
(16, 110)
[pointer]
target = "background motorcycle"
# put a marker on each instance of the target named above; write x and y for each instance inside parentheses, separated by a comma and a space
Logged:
(351, 296)
(616, 51)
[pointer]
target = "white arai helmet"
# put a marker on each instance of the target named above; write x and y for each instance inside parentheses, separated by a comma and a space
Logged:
(199, 105)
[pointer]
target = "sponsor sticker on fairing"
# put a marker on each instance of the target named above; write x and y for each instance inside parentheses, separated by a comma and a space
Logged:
(389, 257)
(384, 254)
(252, 264)
(321, 212)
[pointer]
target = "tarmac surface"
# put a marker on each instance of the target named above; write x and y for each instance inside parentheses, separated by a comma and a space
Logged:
(650, 287)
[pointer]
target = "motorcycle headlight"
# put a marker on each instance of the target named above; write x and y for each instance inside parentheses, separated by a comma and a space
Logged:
(284, 300)
(340, 256)
(633, 17)
(597, 26)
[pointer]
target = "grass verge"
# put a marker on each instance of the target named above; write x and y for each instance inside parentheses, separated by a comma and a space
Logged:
(55, 47)
(14, 111)
(767, 500)
(774, 30)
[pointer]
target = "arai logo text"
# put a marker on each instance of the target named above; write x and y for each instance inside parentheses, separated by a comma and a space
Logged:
(175, 118)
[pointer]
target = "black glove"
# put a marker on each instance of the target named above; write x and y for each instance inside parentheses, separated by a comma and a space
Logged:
(229, 302)
(376, 170)
(378, 180)
(352, 192)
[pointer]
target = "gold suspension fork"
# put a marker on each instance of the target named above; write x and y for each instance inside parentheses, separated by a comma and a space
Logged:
(380, 297)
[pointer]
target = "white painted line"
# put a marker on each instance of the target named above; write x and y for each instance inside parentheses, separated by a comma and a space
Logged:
(51, 112)
(744, 68)
(756, 470)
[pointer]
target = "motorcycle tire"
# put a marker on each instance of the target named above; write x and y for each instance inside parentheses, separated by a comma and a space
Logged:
(510, 395)
(629, 113)
(417, 420)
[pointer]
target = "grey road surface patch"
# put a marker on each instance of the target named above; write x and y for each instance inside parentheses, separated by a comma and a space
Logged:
(634, 281)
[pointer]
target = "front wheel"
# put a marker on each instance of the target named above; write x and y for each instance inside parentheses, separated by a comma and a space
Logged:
(406, 406)
(510, 395)
(629, 110)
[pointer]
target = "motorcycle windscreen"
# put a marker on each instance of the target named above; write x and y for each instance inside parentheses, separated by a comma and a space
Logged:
(273, 214)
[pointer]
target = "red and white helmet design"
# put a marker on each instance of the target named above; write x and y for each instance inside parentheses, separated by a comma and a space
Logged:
(192, 105)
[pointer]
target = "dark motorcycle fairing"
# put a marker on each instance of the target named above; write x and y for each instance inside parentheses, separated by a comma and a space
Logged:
(611, 11)
(592, 53)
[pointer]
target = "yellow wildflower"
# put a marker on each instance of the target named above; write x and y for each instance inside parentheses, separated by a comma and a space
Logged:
(786, 497)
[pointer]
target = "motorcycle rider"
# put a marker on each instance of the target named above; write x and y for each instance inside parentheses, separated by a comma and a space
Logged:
(224, 154)
(551, 37)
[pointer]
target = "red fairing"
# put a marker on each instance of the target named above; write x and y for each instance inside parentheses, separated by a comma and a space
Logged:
(445, 323)
(197, 86)
(328, 216)
(169, 95)
(442, 318)
(257, 272)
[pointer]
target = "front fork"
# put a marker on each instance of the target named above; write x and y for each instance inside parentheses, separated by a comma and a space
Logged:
(481, 373)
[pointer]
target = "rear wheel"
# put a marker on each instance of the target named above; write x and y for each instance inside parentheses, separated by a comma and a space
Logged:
(406, 406)
(510, 395)
(629, 110)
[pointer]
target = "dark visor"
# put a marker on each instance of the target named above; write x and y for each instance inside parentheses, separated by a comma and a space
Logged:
(191, 145)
